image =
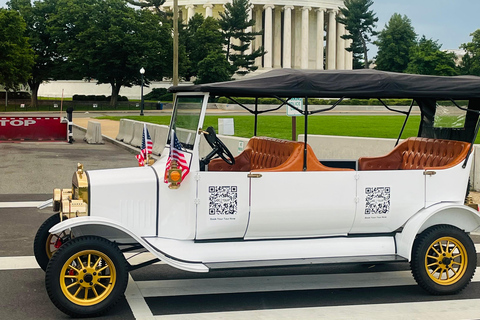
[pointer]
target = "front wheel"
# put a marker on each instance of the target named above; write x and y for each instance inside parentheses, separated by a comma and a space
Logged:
(86, 276)
(443, 260)
(46, 244)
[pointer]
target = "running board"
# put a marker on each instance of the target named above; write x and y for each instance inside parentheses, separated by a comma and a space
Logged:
(301, 262)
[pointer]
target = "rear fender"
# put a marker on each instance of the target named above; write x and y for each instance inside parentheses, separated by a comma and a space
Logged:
(460, 216)
(113, 231)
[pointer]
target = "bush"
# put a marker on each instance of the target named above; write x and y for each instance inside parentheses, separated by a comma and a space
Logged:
(156, 94)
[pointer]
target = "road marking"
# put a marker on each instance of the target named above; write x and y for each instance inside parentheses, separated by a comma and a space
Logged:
(21, 204)
(136, 301)
(449, 309)
(17, 263)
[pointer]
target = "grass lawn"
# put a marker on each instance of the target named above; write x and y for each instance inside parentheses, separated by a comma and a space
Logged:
(281, 126)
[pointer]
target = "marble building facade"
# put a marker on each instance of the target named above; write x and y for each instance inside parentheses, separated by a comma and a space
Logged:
(300, 35)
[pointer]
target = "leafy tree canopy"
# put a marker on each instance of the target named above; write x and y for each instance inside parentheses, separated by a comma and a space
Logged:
(109, 41)
(471, 60)
(16, 56)
(213, 68)
(394, 44)
(360, 22)
(427, 58)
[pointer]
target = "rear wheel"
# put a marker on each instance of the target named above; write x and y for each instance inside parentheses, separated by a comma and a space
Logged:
(443, 260)
(87, 276)
(45, 243)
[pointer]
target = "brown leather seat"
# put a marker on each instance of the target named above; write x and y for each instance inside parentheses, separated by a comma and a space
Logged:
(270, 154)
(419, 153)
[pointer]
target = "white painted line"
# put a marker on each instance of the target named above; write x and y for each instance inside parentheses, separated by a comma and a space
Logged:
(17, 263)
(162, 288)
(445, 309)
(23, 204)
(137, 303)
(477, 247)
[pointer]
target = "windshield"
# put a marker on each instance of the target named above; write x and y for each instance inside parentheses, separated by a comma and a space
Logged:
(185, 119)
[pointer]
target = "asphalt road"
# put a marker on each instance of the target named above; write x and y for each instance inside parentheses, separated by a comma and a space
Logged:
(29, 171)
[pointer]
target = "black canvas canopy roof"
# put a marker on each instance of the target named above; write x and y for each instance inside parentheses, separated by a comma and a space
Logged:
(290, 83)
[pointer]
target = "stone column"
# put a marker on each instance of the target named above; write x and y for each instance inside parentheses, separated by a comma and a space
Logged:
(320, 35)
(277, 38)
(340, 46)
(190, 11)
(304, 48)
(208, 10)
(258, 39)
(287, 36)
(348, 55)
(331, 40)
(249, 29)
(268, 34)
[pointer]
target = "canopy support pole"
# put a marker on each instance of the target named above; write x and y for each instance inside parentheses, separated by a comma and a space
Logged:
(256, 117)
(305, 136)
(471, 144)
(404, 123)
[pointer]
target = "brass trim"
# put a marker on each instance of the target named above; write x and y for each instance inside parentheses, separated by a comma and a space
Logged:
(254, 175)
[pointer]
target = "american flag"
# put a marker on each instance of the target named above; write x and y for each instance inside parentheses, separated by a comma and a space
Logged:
(147, 146)
(176, 153)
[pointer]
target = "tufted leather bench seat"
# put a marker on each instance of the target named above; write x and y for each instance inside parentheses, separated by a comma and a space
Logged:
(269, 154)
(419, 153)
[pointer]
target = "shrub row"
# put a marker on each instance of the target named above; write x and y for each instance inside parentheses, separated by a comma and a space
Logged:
(82, 97)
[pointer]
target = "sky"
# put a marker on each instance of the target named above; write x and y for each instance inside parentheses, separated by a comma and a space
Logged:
(449, 21)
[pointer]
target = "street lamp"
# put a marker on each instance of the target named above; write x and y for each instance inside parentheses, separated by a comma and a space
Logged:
(142, 71)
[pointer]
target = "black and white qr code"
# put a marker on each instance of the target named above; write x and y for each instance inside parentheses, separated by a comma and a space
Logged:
(377, 200)
(222, 200)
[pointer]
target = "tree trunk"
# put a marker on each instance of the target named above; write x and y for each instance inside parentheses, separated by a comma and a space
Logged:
(228, 49)
(34, 86)
(115, 90)
(365, 50)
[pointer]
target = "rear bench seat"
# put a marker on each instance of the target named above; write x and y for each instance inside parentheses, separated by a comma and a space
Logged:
(419, 153)
(269, 154)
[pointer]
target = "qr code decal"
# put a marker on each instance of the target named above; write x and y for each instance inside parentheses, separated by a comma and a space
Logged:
(377, 200)
(222, 200)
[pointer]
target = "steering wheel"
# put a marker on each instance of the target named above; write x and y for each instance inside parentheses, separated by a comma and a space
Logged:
(218, 147)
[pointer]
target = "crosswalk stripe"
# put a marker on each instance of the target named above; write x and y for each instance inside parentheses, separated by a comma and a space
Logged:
(17, 263)
(22, 204)
(445, 309)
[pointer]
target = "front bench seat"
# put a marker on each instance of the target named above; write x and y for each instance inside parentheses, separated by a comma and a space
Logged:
(419, 153)
(270, 154)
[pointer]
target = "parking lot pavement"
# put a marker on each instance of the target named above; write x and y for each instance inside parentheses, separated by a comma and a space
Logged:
(39, 167)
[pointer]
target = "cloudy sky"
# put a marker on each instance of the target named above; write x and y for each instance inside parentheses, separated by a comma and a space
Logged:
(448, 21)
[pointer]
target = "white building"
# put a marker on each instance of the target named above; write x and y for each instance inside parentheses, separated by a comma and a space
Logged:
(300, 35)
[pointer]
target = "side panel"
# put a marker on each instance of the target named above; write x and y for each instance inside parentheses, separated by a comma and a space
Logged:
(387, 199)
(222, 209)
(128, 196)
(448, 184)
(301, 204)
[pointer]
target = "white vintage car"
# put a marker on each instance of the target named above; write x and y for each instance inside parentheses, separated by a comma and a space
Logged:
(276, 203)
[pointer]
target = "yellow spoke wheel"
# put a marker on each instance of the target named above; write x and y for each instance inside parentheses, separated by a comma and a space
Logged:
(46, 244)
(443, 259)
(446, 260)
(86, 276)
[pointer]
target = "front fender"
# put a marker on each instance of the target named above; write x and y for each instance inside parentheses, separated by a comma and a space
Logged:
(112, 231)
(460, 216)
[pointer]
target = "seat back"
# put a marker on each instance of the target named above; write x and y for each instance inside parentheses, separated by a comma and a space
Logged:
(419, 153)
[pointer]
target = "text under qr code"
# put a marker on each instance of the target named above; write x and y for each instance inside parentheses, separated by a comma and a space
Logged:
(222, 200)
(377, 200)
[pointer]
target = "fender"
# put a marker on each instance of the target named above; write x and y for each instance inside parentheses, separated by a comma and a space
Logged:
(109, 229)
(460, 216)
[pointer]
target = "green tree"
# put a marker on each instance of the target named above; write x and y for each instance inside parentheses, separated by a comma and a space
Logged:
(47, 61)
(16, 56)
(359, 22)
(109, 41)
(471, 60)
(427, 58)
(394, 44)
(213, 68)
(234, 22)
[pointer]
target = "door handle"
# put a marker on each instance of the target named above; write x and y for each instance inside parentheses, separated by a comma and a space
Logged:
(429, 173)
(254, 175)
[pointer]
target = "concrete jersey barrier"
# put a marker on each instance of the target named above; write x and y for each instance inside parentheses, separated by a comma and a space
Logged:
(125, 132)
(94, 133)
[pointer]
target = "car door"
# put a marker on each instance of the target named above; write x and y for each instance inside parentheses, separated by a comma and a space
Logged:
(301, 204)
